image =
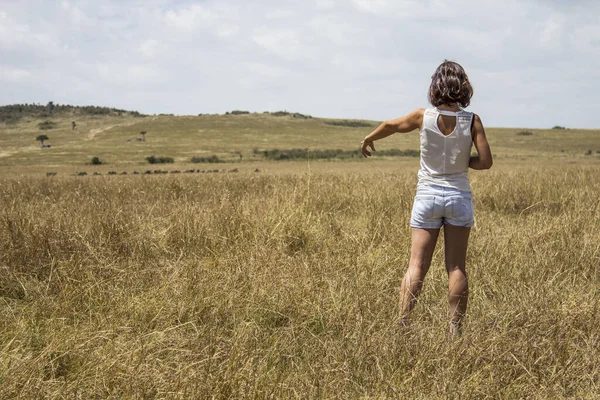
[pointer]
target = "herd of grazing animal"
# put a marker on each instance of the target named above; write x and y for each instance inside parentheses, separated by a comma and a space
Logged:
(158, 172)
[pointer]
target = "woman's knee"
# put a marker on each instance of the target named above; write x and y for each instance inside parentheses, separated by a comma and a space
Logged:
(419, 263)
(417, 269)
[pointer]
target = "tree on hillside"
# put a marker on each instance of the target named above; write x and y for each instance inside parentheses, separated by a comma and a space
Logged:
(41, 138)
(143, 133)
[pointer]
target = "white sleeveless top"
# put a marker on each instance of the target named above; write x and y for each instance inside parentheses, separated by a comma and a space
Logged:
(445, 158)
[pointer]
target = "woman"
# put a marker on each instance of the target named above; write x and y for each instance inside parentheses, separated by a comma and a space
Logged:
(443, 191)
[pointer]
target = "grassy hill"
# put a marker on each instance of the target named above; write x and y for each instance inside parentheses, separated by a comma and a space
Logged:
(112, 135)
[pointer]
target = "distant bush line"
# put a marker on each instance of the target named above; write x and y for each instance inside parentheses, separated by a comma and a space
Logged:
(328, 154)
(159, 160)
(524, 133)
(274, 113)
(14, 112)
(287, 113)
(349, 123)
(47, 125)
(303, 154)
(207, 160)
(237, 112)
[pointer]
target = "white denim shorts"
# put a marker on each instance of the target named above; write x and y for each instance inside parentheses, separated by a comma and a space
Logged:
(438, 205)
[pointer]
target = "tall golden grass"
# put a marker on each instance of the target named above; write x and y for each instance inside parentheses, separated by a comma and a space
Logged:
(286, 286)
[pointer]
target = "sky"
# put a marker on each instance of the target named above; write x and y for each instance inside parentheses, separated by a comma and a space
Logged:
(532, 63)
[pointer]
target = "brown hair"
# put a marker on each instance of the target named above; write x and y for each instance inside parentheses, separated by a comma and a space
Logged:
(450, 84)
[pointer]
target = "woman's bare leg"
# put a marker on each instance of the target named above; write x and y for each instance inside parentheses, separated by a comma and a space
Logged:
(456, 239)
(423, 244)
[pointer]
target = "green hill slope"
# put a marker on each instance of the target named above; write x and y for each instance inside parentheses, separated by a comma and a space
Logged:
(115, 138)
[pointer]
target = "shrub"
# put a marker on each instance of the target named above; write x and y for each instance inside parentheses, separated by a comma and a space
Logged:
(159, 160)
(524, 133)
(47, 125)
(286, 113)
(349, 123)
(210, 160)
(298, 115)
(588, 153)
(96, 161)
(558, 127)
(239, 112)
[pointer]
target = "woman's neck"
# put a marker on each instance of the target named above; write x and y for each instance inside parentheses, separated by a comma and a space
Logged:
(449, 107)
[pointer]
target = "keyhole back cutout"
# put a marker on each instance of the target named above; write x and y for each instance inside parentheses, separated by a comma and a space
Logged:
(446, 124)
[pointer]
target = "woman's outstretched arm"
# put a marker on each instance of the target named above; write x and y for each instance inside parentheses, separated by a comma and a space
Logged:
(408, 123)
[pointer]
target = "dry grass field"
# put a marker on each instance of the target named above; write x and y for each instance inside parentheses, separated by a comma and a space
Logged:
(284, 283)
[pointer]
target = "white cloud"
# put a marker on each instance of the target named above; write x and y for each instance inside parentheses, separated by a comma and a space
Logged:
(190, 18)
(281, 42)
(15, 75)
(586, 38)
(278, 14)
(332, 29)
(411, 9)
(76, 15)
(552, 31)
(16, 35)
(201, 18)
(151, 48)
(129, 74)
(326, 4)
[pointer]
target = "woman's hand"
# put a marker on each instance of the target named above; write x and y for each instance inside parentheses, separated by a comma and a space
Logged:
(363, 147)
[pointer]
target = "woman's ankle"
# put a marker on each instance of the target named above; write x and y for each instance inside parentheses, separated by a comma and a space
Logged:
(455, 329)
